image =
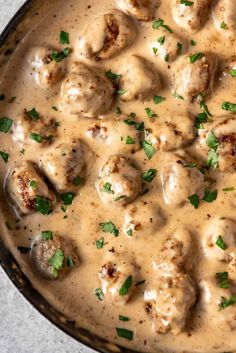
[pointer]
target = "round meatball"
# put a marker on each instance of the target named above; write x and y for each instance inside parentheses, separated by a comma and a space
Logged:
(46, 71)
(53, 257)
(211, 303)
(38, 131)
(27, 189)
(171, 134)
(179, 181)
(120, 136)
(143, 219)
(139, 81)
(191, 79)
(191, 18)
(119, 181)
(223, 131)
(219, 240)
(118, 270)
(143, 10)
(106, 36)
(224, 14)
(64, 165)
(169, 46)
(86, 92)
(170, 303)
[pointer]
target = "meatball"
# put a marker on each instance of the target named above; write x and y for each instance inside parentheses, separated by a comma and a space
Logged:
(27, 189)
(191, 18)
(223, 133)
(179, 181)
(169, 304)
(119, 136)
(38, 131)
(118, 276)
(143, 10)
(171, 134)
(119, 181)
(106, 36)
(46, 71)
(64, 165)
(53, 257)
(143, 219)
(86, 91)
(219, 241)
(140, 81)
(194, 74)
(169, 46)
(224, 14)
(212, 299)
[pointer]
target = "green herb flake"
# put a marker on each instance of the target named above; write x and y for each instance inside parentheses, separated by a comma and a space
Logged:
(33, 184)
(161, 40)
(112, 75)
(229, 106)
(100, 243)
(194, 200)
(138, 126)
(212, 159)
(210, 196)
(224, 303)
(107, 188)
(124, 333)
(195, 57)
(43, 205)
(5, 124)
(124, 289)
(5, 156)
(232, 72)
(99, 294)
(129, 232)
(223, 279)
(64, 38)
(176, 95)
(118, 111)
(193, 43)
(149, 175)
(223, 25)
(166, 58)
(129, 141)
(158, 99)
(109, 227)
(148, 149)
(191, 165)
(123, 318)
(155, 50)
(36, 137)
(121, 92)
(186, 2)
(160, 24)
(67, 198)
(56, 262)
(33, 114)
(59, 56)
(70, 262)
(200, 119)
(220, 243)
(179, 48)
(212, 141)
(231, 188)
(47, 235)
(78, 181)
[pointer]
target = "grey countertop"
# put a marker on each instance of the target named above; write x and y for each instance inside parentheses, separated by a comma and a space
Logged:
(22, 328)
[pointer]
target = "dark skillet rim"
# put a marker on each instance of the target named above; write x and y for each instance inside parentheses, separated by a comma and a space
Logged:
(19, 280)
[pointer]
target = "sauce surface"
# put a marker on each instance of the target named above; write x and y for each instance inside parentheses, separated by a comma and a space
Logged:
(118, 169)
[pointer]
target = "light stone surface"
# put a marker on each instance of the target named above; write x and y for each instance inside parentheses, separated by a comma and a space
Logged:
(22, 328)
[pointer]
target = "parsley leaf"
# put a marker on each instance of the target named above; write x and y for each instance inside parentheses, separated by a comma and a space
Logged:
(124, 333)
(70, 262)
(160, 24)
(150, 113)
(229, 106)
(5, 156)
(33, 114)
(176, 95)
(231, 188)
(56, 262)
(194, 200)
(227, 302)
(138, 126)
(43, 205)
(195, 57)
(59, 56)
(232, 72)
(200, 119)
(33, 184)
(193, 43)
(121, 92)
(223, 25)
(212, 141)
(68, 198)
(112, 75)
(129, 141)
(161, 40)
(123, 318)
(99, 294)
(64, 38)
(126, 286)
(223, 279)
(78, 181)
(100, 243)
(107, 188)
(179, 48)
(220, 243)
(36, 137)
(109, 227)
(47, 235)
(158, 99)
(186, 2)
(149, 175)
(210, 196)
(148, 149)
(212, 159)
(5, 124)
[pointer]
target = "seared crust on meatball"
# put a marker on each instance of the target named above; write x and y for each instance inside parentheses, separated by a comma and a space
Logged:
(114, 32)
(143, 10)
(24, 185)
(119, 182)
(86, 91)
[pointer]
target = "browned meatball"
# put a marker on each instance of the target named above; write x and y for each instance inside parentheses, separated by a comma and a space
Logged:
(224, 12)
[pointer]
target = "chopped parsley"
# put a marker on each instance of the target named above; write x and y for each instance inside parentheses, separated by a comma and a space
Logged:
(223, 279)
(148, 149)
(166, 58)
(149, 175)
(210, 196)
(194, 200)
(176, 95)
(121, 92)
(56, 262)
(231, 188)
(100, 243)
(220, 243)
(123, 318)
(112, 75)
(223, 25)
(36, 137)
(158, 99)
(33, 184)
(124, 333)
(212, 159)
(129, 232)
(109, 227)
(138, 126)
(99, 294)
(160, 24)
(43, 205)
(200, 119)
(161, 40)
(67, 198)
(107, 188)
(118, 111)
(212, 141)
(47, 235)
(195, 57)
(70, 262)
(59, 56)
(224, 303)
(5, 124)
(191, 165)
(150, 113)
(129, 141)
(124, 289)
(78, 181)
(64, 38)
(193, 43)
(186, 2)
(33, 114)
(155, 50)
(229, 106)
(232, 72)
(5, 156)
(179, 48)
(203, 105)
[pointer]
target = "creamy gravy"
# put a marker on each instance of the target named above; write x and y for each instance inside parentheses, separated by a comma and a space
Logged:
(205, 328)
